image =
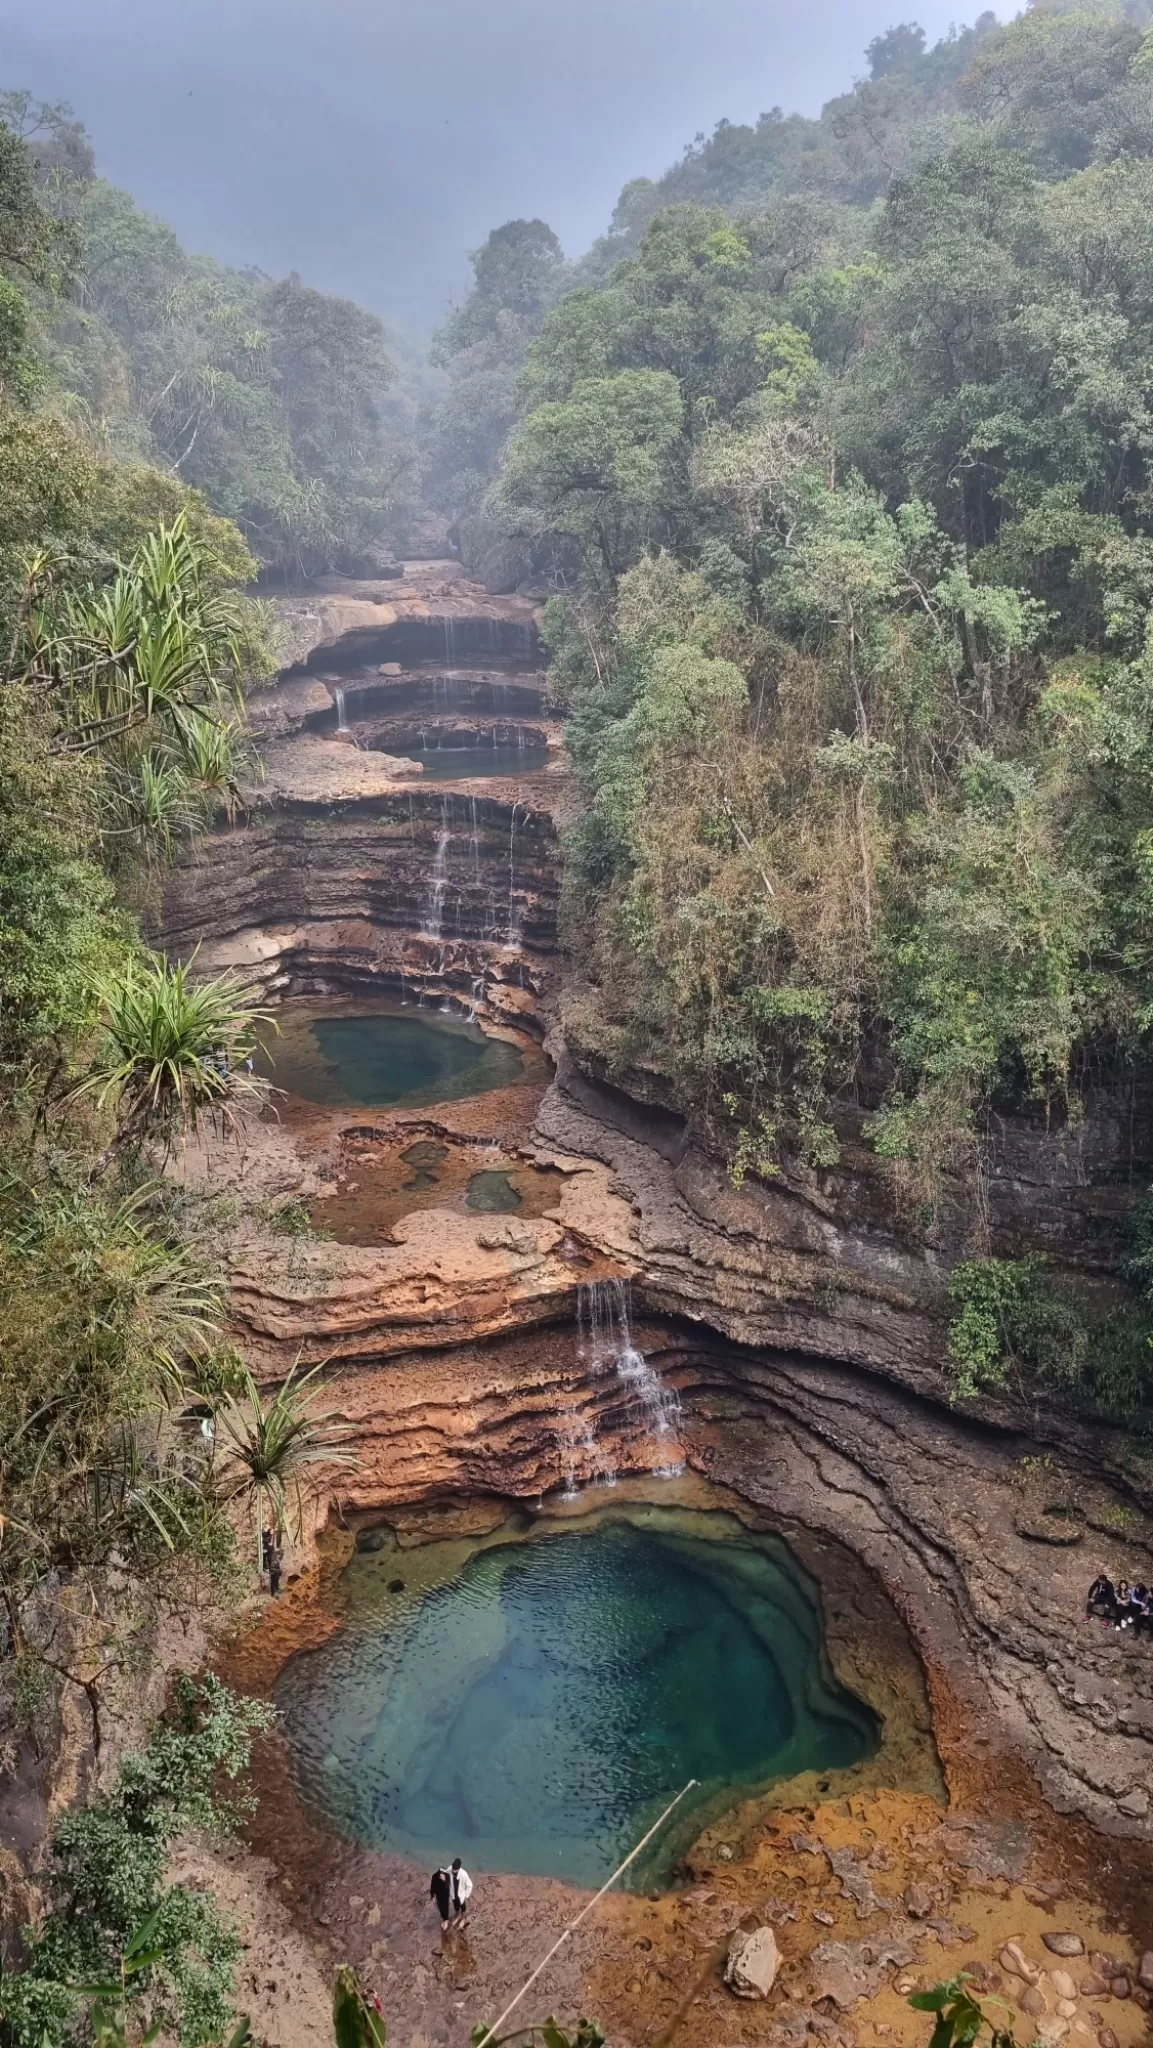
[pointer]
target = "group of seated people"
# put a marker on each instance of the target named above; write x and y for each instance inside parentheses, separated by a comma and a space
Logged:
(1121, 1605)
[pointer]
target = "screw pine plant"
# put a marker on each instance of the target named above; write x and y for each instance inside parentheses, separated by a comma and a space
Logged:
(271, 1447)
(174, 1049)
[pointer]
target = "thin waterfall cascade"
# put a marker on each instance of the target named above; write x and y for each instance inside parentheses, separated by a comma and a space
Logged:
(433, 919)
(342, 724)
(515, 908)
(582, 1458)
(604, 1326)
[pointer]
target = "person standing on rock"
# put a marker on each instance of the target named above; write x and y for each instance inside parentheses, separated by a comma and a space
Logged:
(273, 1560)
(440, 1889)
(461, 1887)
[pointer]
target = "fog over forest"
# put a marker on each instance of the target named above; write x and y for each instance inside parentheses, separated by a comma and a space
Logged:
(369, 145)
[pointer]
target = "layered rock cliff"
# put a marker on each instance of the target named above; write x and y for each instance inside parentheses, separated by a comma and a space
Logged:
(799, 1323)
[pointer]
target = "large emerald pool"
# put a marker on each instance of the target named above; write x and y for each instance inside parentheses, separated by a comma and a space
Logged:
(532, 1704)
(375, 1055)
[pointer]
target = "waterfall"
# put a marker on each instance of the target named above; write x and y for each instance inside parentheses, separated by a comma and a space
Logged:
(581, 1456)
(342, 724)
(438, 880)
(605, 1337)
(515, 909)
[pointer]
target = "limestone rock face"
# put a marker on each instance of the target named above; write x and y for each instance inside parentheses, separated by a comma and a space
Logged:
(336, 890)
(822, 1264)
(753, 1962)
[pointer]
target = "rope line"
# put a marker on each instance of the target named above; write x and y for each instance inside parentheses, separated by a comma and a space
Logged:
(585, 1910)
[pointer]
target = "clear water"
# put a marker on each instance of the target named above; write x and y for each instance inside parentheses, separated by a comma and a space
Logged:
(384, 1057)
(454, 764)
(532, 1705)
(494, 1192)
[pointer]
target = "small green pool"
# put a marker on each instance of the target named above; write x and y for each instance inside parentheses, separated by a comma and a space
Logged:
(532, 1704)
(381, 1056)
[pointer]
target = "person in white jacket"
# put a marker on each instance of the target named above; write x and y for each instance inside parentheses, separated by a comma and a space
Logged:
(461, 1888)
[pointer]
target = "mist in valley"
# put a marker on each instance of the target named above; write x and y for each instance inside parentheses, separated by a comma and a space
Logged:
(370, 146)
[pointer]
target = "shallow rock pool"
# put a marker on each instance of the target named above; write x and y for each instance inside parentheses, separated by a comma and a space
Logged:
(531, 1702)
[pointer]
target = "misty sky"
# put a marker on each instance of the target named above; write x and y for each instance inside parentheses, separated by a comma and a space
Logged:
(370, 143)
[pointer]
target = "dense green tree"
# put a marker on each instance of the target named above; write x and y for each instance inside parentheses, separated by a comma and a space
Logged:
(896, 492)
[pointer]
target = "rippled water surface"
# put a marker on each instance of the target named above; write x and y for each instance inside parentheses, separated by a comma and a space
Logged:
(532, 1704)
(381, 1056)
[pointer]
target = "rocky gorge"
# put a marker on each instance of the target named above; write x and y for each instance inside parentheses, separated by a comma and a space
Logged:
(625, 1312)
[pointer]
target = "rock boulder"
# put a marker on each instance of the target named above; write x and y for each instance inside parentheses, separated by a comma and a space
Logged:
(753, 1962)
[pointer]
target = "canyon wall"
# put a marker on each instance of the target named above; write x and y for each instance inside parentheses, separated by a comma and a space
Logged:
(794, 1329)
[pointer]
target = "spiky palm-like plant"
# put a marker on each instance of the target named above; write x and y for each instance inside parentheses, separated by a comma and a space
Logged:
(271, 1448)
(174, 1049)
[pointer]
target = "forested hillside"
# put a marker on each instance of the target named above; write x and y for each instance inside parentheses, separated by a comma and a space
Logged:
(833, 461)
(273, 400)
(129, 641)
(849, 499)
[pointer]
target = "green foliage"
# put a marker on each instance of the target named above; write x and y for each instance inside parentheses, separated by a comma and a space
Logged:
(591, 464)
(960, 2020)
(115, 1932)
(272, 1446)
(146, 674)
(104, 1311)
(356, 2019)
(270, 400)
(1014, 1328)
(58, 933)
(174, 1048)
(586, 2034)
(887, 474)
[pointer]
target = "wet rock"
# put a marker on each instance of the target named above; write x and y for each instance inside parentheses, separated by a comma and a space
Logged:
(1106, 2038)
(753, 1962)
(1064, 1944)
(1094, 1986)
(918, 1901)
(1032, 2001)
(1145, 1971)
(1120, 1986)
